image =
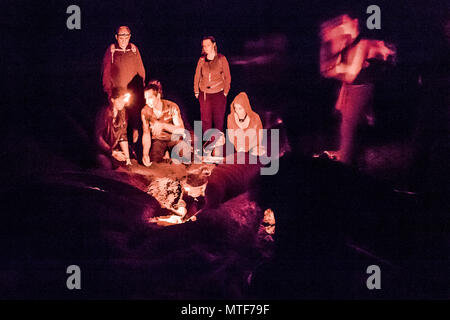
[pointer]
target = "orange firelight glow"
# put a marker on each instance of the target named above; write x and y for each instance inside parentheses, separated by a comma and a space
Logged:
(127, 97)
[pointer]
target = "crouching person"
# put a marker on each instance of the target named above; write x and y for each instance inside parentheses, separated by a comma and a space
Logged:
(244, 127)
(111, 132)
(160, 119)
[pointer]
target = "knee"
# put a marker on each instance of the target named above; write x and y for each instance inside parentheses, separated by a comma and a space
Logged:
(103, 162)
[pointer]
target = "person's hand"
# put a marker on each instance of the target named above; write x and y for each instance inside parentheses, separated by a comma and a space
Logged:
(119, 155)
(146, 161)
(128, 162)
(258, 151)
(157, 128)
(220, 141)
(196, 95)
(135, 135)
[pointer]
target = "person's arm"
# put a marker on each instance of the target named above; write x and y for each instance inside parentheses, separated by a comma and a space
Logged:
(146, 140)
(123, 141)
(226, 75)
(259, 127)
(124, 146)
(99, 129)
(348, 72)
(177, 120)
(106, 71)
(231, 127)
(328, 62)
(197, 77)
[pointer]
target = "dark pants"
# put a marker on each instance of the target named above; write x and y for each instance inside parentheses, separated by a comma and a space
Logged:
(212, 109)
(355, 104)
(137, 102)
(159, 148)
(107, 162)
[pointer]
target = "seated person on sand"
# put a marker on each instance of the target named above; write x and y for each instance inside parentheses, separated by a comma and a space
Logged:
(244, 127)
(160, 118)
(111, 132)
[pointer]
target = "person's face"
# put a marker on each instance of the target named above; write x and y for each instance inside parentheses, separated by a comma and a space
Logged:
(151, 99)
(119, 102)
(208, 46)
(240, 111)
(123, 37)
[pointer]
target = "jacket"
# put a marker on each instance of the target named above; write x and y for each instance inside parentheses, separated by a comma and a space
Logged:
(212, 76)
(121, 66)
(238, 135)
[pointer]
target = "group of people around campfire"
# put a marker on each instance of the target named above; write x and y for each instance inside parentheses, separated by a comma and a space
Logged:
(160, 119)
(344, 55)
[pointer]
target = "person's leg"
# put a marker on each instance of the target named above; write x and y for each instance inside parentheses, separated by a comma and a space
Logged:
(104, 162)
(205, 111)
(219, 104)
(357, 100)
(157, 150)
(182, 155)
(137, 102)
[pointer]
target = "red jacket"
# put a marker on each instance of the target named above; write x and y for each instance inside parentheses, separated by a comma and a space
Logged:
(121, 66)
(212, 76)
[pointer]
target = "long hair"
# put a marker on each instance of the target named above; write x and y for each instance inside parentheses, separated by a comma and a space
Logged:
(213, 40)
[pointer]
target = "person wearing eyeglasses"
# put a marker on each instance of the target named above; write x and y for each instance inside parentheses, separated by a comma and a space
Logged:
(121, 62)
(123, 68)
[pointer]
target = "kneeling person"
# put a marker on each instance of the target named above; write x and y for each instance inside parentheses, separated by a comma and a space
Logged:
(111, 132)
(244, 127)
(160, 118)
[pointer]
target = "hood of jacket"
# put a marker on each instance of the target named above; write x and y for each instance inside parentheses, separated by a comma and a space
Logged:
(242, 99)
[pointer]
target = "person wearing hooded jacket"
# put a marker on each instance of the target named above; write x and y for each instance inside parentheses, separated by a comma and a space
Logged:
(244, 126)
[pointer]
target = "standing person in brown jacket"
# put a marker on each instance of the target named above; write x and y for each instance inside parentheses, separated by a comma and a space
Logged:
(211, 84)
(123, 68)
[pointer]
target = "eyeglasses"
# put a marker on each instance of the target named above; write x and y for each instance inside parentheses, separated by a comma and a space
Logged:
(124, 35)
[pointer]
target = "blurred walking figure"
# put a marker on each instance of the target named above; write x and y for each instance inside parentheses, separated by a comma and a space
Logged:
(355, 62)
(123, 68)
(212, 84)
